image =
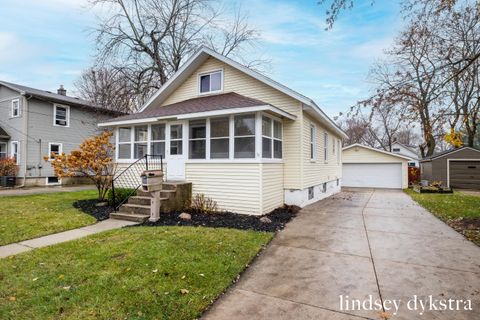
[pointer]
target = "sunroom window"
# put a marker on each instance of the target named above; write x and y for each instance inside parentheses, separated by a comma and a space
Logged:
(244, 136)
(140, 144)
(271, 138)
(176, 139)
(211, 82)
(220, 138)
(124, 143)
(157, 140)
(197, 139)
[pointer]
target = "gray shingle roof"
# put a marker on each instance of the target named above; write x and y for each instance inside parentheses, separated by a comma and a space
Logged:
(443, 153)
(4, 134)
(201, 104)
(55, 97)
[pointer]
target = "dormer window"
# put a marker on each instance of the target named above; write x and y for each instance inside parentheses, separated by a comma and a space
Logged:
(61, 115)
(211, 82)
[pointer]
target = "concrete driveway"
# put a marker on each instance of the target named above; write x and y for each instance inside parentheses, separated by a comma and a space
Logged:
(364, 244)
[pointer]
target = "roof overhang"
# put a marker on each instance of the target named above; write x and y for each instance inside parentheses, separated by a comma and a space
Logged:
(265, 108)
(358, 145)
(203, 54)
(449, 153)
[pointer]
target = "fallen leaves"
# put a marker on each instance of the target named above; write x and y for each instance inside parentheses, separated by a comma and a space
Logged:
(12, 298)
(184, 291)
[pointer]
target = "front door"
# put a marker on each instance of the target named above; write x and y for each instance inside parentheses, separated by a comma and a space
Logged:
(176, 150)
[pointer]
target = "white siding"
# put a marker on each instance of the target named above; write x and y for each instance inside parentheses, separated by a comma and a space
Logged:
(272, 186)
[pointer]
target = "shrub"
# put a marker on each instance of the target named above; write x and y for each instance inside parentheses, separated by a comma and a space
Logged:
(8, 167)
(121, 195)
(202, 204)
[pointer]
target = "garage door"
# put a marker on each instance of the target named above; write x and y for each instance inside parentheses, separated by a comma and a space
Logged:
(465, 174)
(372, 175)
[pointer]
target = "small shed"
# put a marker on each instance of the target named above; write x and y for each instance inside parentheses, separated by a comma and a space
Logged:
(367, 167)
(454, 168)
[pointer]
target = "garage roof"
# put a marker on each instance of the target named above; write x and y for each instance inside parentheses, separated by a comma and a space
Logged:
(377, 150)
(445, 153)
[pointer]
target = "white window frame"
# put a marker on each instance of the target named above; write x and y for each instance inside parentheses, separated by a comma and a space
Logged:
(59, 182)
(60, 149)
(198, 139)
(18, 109)
(55, 106)
(134, 142)
(313, 142)
(272, 136)
(257, 135)
(118, 143)
(325, 147)
(210, 138)
(6, 149)
(12, 153)
(339, 150)
(151, 141)
(199, 77)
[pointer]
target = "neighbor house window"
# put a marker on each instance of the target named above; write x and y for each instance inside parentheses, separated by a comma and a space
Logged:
(219, 138)
(140, 143)
(396, 150)
(61, 115)
(15, 108)
(211, 82)
(54, 149)
(3, 150)
(312, 142)
(325, 147)
(176, 137)
(197, 139)
(244, 136)
(15, 151)
(271, 138)
(124, 143)
(157, 140)
(311, 193)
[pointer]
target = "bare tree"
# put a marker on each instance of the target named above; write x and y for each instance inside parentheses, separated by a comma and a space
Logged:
(107, 88)
(148, 40)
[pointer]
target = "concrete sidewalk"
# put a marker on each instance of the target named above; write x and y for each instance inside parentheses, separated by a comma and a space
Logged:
(27, 245)
(357, 244)
(40, 190)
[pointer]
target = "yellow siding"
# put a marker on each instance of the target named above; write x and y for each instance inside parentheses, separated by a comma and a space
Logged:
(241, 83)
(272, 186)
(364, 155)
(235, 187)
(318, 171)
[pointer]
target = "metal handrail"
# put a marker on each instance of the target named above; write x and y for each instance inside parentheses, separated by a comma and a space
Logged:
(127, 171)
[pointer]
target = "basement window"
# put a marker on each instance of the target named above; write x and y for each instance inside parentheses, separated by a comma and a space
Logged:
(52, 181)
(311, 193)
(324, 187)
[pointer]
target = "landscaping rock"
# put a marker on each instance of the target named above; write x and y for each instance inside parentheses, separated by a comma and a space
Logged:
(185, 216)
(102, 204)
(265, 220)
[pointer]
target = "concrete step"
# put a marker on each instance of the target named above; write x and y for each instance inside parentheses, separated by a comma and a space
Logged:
(129, 216)
(167, 193)
(142, 200)
(135, 208)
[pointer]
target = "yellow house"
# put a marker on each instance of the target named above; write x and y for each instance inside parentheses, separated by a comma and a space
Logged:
(240, 138)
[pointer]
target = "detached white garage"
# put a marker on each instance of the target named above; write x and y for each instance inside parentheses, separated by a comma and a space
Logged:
(367, 167)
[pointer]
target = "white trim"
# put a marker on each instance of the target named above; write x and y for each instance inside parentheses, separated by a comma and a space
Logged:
(60, 149)
(233, 161)
(67, 114)
(19, 109)
(377, 150)
(199, 75)
(6, 148)
(127, 122)
(325, 147)
(17, 143)
(313, 144)
(203, 53)
(448, 167)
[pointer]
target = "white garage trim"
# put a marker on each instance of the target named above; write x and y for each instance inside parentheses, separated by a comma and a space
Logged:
(373, 175)
(376, 150)
(448, 167)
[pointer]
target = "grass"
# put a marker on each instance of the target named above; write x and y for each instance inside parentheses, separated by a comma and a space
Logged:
(31, 216)
(130, 273)
(452, 208)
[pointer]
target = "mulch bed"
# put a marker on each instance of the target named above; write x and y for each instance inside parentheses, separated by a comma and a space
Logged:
(278, 218)
(90, 207)
(469, 227)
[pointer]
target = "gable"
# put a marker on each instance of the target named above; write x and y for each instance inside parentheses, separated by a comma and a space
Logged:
(361, 154)
(234, 81)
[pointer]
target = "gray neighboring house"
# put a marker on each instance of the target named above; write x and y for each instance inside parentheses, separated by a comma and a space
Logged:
(407, 151)
(34, 123)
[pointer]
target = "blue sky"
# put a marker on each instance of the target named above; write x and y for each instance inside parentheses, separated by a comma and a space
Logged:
(51, 43)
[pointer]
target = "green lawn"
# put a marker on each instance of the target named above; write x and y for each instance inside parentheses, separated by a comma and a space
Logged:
(130, 273)
(450, 208)
(31, 216)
